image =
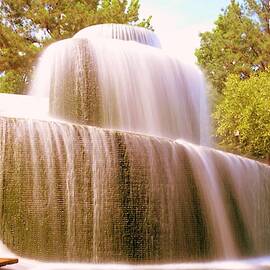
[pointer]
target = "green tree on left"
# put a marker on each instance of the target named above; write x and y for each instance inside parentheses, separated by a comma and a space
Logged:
(27, 26)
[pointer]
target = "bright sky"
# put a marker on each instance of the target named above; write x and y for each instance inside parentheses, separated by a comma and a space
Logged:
(179, 22)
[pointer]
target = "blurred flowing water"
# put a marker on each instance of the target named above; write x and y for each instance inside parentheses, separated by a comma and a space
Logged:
(123, 85)
(93, 175)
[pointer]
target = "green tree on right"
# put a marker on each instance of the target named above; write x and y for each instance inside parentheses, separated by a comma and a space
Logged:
(239, 43)
(243, 115)
(235, 56)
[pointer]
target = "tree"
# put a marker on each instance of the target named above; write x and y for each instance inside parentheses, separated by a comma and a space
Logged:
(243, 115)
(26, 26)
(261, 9)
(16, 59)
(239, 44)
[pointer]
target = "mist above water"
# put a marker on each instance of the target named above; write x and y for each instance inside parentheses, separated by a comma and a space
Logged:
(24, 106)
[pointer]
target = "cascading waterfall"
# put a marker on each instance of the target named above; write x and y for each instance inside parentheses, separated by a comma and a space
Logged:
(123, 85)
(108, 196)
(108, 182)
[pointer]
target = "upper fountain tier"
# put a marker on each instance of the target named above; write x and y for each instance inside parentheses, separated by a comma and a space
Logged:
(121, 31)
(123, 85)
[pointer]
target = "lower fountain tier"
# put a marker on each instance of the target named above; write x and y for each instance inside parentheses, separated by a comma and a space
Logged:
(78, 193)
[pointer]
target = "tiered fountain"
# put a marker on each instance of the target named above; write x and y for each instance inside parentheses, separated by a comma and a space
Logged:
(116, 179)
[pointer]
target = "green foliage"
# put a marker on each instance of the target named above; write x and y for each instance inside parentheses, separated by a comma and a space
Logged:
(26, 26)
(239, 44)
(261, 9)
(243, 115)
(235, 57)
(12, 81)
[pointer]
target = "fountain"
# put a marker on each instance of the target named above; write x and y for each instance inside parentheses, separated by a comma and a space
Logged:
(98, 174)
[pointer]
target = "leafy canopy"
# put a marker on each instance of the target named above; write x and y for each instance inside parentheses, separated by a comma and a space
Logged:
(26, 26)
(239, 43)
(243, 115)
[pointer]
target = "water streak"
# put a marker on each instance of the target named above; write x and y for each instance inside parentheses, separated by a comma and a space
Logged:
(123, 32)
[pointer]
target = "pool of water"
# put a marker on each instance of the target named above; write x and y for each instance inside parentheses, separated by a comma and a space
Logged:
(27, 264)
